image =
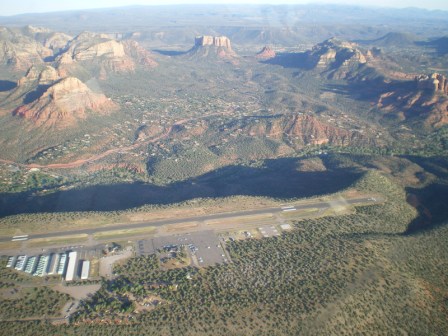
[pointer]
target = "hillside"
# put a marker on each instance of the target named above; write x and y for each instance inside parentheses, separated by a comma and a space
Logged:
(394, 40)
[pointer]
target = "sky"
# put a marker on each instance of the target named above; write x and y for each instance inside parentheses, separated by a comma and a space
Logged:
(38, 6)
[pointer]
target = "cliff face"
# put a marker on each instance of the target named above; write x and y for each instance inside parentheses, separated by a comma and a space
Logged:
(49, 39)
(85, 50)
(56, 41)
(335, 56)
(216, 41)
(138, 53)
(426, 98)
(106, 53)
(63, 103)
(43, 76)
(212, 47)
(305, 129)
(434, 82)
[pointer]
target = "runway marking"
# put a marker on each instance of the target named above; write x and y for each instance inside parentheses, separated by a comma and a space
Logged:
(289, 209)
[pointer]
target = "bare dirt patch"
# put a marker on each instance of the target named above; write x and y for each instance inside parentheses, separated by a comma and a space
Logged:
(107, 263)
(78, 292)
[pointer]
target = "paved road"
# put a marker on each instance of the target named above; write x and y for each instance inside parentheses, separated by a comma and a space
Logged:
(289, 207)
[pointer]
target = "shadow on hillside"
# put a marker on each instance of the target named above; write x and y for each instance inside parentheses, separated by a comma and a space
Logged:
(440, 45)
(6, 85)
(36, 94)
(368, 90)
(290, 60)
(431, 208)
(278, 178)
(169, 52)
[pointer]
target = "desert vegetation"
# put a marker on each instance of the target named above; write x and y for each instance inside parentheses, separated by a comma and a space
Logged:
(346, 268)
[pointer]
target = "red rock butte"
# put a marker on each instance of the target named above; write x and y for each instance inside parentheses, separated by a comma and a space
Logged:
(266, 53)
(65, 102)
(217, 41)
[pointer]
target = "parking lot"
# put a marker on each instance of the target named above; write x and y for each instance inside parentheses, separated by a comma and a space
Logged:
(204, 247)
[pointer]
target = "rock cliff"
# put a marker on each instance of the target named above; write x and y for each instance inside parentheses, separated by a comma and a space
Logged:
(336, 57)
(434, 82)
(106, 53)
(424, 99)
(212, 47)
(39, 76)
(306, 129)
(216, 41)
(20, 51)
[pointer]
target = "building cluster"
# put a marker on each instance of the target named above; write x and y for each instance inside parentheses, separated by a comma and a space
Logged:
(66, 265)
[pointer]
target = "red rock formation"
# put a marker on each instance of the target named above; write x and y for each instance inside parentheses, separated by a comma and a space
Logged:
(434, 82)
(63, 103)
(266, 53)
(210, 46)
(428, 101)
(305, 129)
(39, 76)
(216, 41)
(138, 53)
(336, 57)
(21, 51)
(106, 53)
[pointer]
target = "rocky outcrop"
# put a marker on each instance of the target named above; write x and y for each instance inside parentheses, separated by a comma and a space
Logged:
(212, 47)
(304, 129)
(39, 76)
(424, 100)
(109, 49)
(49, 39)
(107, 54)
(138, 53)
(56, 41)
(216, 41)
(434, 82)
(64, 103)
(335, 56)
(20, 51)
(265, 53)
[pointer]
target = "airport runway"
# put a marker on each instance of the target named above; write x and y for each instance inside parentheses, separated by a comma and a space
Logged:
(286, 208)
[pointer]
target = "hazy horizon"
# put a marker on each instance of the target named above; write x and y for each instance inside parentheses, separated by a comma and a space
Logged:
(44, 6)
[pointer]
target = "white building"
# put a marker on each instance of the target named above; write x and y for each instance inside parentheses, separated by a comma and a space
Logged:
(71, 268)
(61, 265)
(85, 270)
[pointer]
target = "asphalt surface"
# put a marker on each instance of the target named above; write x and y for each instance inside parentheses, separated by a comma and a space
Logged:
(316, 205)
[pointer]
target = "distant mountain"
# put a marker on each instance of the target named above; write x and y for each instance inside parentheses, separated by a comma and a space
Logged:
(132, 18)
(440, 44)
(393, 39)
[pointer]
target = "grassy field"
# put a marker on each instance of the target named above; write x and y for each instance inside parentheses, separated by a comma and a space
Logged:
(57, 241)
(119, 234)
